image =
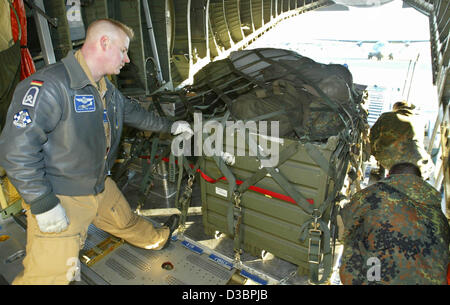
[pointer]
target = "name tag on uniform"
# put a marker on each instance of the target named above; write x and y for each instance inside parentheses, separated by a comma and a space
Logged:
(105, 116)
(84, 103)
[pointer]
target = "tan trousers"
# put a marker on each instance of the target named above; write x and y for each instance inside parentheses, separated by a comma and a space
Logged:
(50, 257)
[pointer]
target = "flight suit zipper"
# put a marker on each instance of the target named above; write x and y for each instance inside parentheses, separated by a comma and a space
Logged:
(108, 149)
(115, 118)
(104, 117)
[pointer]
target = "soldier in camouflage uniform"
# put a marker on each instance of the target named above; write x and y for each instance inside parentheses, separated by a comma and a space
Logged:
(395, 232)
(397, 136)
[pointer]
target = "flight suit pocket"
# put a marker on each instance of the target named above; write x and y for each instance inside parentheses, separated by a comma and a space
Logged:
(114, 212)
(53, 260)
(122, 215)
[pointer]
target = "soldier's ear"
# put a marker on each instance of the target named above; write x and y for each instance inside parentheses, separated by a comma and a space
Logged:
(104, 42)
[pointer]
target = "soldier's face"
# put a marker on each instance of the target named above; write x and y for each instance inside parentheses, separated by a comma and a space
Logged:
(117, 54)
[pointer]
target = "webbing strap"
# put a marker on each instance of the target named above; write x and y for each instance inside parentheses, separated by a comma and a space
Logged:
(148, 177)
(183, 203)
(245, 76)
(222, 95)
(318, 157)
(285, 185)
(335, 106)
(180, 178)
(191, 169)
(172, 168)
(231, 190)
(186, 104)
(237, 222)
(319, 235)
(258, 175)
(283, 182)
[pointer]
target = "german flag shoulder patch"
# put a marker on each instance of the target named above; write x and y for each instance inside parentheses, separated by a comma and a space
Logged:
(30, 96)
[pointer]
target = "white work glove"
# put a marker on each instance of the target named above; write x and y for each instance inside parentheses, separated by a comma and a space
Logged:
(228, 158)
(53, 221)
(181, 127)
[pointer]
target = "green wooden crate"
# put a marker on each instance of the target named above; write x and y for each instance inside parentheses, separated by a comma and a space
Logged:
(269, 223)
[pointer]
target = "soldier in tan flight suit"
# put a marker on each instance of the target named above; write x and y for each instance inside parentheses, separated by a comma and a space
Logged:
(58, 146)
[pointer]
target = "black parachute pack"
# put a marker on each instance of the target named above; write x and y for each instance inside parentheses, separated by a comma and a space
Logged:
(310, 100)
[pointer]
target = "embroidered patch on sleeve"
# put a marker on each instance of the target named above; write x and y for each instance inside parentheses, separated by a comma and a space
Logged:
(22, 119)
(84, 103)
(30, 97)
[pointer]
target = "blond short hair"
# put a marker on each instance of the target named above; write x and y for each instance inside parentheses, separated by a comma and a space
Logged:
(114, 23)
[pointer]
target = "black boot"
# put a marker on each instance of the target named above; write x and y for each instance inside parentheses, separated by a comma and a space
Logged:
(172, 223)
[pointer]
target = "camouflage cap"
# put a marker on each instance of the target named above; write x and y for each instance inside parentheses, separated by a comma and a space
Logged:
(389, 128)
(393, 140)
(403, 106)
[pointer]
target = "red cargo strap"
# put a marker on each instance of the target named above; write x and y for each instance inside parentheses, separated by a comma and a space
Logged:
(239, 182)
(255, 188)
(448, 275)
(27, 66)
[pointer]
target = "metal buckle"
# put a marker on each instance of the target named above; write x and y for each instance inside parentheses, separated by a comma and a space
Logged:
(237, 198)
(317, 261)
(237, 211)
(190, 181)
(316, 214)
(318, 244)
